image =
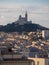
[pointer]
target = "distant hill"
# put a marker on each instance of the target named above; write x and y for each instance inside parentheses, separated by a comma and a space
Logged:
(22, 28)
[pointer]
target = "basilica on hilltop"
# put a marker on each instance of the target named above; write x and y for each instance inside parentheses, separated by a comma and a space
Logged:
(23, 20)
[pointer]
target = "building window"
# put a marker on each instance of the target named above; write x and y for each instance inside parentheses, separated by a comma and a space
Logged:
(38, 63)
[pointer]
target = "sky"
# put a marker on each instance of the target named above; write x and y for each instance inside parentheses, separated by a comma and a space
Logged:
(38, 11)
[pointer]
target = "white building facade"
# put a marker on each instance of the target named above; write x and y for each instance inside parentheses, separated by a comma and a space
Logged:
(45, 34)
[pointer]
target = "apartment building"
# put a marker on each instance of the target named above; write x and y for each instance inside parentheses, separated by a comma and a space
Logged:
(26, 61)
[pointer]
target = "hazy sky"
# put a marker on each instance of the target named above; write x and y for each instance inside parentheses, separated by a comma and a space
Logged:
(38, 11)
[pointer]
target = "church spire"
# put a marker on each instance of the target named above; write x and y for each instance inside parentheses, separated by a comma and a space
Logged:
(26, 15)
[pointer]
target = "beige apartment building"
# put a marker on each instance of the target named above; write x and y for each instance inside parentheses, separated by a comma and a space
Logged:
(40, 61)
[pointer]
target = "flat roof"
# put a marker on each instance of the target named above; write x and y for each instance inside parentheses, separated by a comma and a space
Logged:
(38, 58)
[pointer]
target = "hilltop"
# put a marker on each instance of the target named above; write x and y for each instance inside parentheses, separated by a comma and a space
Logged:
(22, 25)
(22, 28)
